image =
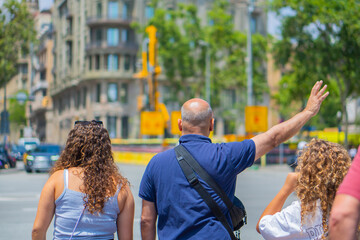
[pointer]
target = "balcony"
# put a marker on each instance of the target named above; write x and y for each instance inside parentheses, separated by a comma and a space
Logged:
(39, 86)
(105, 74)
(105, 48)
(98, 21)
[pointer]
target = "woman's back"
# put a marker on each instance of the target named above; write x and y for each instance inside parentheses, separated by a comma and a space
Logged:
(70, 209)
(85, 191)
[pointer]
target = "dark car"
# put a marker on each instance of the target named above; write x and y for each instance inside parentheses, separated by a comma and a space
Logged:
(42, 158)
(6, 159)
(18, 151)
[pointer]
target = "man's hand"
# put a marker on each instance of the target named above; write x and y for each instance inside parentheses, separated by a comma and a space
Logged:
(317, 96)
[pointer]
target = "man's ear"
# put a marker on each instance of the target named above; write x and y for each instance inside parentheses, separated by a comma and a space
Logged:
(180, 124)
(212, 122)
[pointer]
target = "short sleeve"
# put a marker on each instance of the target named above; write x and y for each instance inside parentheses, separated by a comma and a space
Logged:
(351, 183)
(242, 154)
(147, 190)
(285, 224)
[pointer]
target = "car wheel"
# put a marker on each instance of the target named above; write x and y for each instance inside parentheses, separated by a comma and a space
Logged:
(28, 170)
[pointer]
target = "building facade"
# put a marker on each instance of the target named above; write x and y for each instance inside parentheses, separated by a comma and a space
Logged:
(40, 107)
(95, 56)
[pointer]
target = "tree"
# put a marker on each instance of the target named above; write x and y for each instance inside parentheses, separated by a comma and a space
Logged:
(16, 33)
(319, 40)
(182, 52)
(17, 112)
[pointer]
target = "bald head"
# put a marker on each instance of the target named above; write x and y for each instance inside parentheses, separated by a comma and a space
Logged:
(196, 115)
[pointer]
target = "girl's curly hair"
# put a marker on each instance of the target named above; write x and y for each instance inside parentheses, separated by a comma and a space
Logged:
(88, 146)
(322, 167)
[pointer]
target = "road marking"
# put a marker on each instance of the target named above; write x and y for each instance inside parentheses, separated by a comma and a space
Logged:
(19, 199)
(29, 209)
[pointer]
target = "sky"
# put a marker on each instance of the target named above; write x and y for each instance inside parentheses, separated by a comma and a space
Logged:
(45, 4)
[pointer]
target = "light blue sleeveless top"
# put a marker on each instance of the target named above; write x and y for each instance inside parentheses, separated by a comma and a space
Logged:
(69, 207)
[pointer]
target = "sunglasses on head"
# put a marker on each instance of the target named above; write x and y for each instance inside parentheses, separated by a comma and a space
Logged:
(88, 122)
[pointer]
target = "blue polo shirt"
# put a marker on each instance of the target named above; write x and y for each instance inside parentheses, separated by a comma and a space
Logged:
(182, 213)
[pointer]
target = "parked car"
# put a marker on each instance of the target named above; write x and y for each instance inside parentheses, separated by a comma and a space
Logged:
(42, 158)
(7, 160)
(18, 151)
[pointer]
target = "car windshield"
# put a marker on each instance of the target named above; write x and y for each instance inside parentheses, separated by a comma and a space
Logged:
(47, 148)
(19, 148)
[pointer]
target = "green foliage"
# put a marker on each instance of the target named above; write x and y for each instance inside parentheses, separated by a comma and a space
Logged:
(16, 32)
(183, 42)
(320, 40)
(17, 112)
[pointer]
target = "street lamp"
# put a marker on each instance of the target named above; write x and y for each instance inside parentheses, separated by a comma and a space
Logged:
(249, 56)
(338, 116)
(207, 71)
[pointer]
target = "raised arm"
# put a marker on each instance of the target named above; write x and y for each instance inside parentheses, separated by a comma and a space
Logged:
(148, 220)
(278, 202)
(264, 142)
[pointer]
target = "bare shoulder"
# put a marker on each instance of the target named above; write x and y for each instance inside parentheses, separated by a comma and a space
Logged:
(125, 197)
(56, 181)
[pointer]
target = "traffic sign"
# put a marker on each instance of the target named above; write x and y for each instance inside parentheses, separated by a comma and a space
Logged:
(152, 123)
(256, 119)
(174, 122)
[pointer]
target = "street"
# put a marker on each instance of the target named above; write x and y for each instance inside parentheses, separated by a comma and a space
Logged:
(20, 192)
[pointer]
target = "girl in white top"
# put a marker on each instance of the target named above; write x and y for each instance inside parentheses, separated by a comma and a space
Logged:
(322, 167)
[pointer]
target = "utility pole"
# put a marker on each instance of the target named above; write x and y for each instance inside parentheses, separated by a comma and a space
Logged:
(207, 70)
(249, 56)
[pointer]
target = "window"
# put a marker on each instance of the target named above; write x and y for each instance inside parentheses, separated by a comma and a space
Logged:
(112, 62)
(111, 126)
(124, 93)
(44, 91)
(90, 62)
(127, 62)
(149, 12)
(69, 53)
(23, 68)
(112, 93)
(125, 127)
(78, 97)
(98, 92)
(125, 11)
(98, 10)
(97, 62)
(112, 36)
(113, 9)
(98, 37)
(253, 24)
(124, 35)
(84, 97)
(97, 118)
(43, 75)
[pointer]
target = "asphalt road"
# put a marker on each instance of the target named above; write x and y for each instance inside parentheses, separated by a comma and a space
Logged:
(20, 192)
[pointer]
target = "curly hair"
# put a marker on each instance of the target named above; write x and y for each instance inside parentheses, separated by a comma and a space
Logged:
(322, 167)
(88, 146)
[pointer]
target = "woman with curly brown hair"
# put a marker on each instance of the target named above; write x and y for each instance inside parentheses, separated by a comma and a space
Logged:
(85, 192)
(322, 167)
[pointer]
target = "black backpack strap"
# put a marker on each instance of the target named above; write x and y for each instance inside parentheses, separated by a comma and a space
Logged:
(205, 176)
(194, 182)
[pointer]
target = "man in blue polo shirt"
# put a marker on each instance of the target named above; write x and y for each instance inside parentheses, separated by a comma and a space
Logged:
(166, 193)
